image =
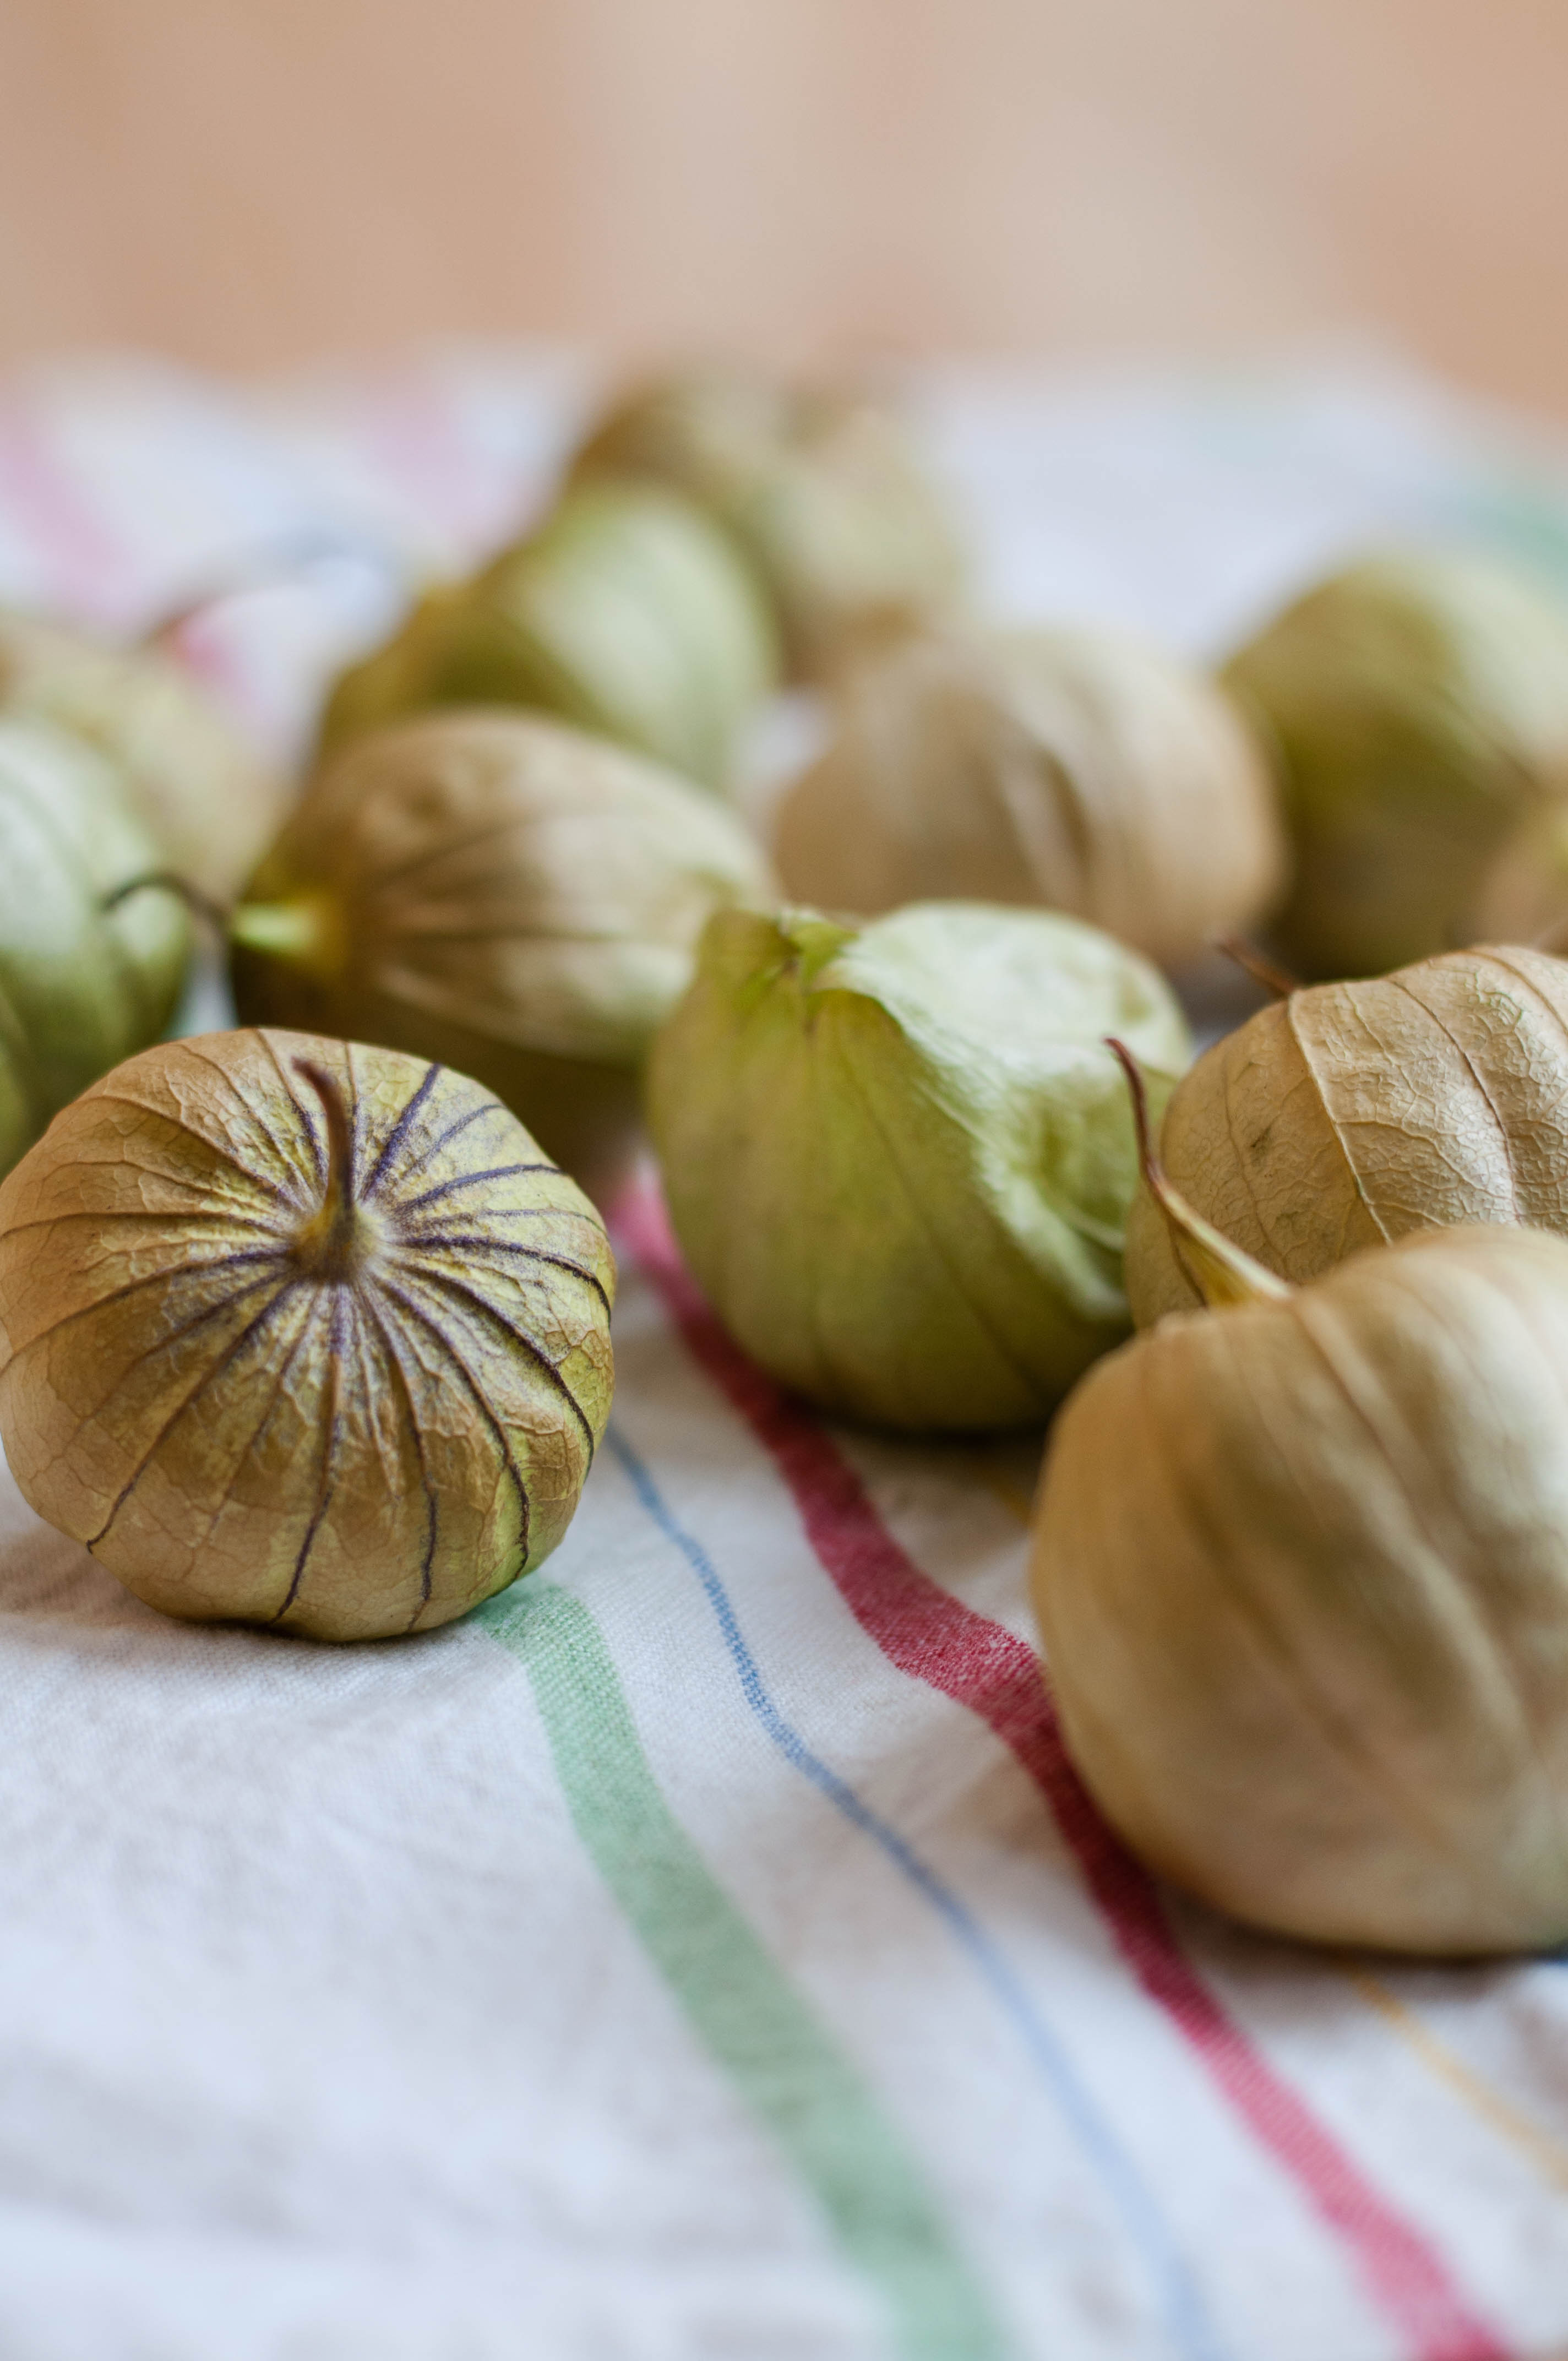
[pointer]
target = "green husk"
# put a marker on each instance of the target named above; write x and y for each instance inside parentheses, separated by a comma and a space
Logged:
(819, 487)
(210, 801)
(1418, 705)
(505, 895)
(899, 1159)
(84, 981)
(625, 612)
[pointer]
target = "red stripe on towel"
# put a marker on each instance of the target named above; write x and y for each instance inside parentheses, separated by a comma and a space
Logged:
(935, 1637)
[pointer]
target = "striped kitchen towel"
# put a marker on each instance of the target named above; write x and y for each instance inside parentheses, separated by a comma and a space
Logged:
(707, 1949)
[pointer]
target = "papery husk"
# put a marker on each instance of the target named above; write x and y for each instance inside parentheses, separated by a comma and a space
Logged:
(819, 484)
(338, 1370)
(504, 894)
(1418, 705)
(209, 799)
(1351, 1113)
(899, 1160)
(626, 611)
(1301, 1570)
(1078, 769)
(81, 984)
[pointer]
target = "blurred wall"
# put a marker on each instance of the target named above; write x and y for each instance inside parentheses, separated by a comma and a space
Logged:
(247, 182)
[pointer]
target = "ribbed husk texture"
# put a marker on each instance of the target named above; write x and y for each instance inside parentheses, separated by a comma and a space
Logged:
(511, 896)
(1078, 769)
(338, 1374)
(1301, 1570)
(1354, 1113)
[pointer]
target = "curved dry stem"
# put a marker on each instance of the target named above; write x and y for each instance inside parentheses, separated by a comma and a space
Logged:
(1263, 970)
(328, 1244)
(1222, 1273)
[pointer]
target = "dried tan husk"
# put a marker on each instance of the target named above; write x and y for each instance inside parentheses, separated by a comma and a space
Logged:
(1302, 1568)
(1351, 1113)
(210, 801)
(346, 1412)
(1073, 769)
(509, 895)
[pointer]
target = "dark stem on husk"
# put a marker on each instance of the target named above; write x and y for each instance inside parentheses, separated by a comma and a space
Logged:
(1257, 964)
(327, 1242)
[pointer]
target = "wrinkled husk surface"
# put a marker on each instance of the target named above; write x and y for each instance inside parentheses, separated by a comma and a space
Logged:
(1076, 770)
(507, 895)
(239, 1429)
(1354, 1113)
(1418, 706)
(1301, 1571)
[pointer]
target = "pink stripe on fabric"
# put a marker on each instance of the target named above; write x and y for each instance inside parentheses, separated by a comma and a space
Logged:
(981, 1665)
(413, 422)
(94, 573)
(40, 492)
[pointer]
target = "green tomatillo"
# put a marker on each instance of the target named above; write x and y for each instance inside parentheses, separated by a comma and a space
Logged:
(501, 895)
(1418, 706)
(626, 611)
(209, 800)
(899, 1158)
(820, 487)
(89, 970)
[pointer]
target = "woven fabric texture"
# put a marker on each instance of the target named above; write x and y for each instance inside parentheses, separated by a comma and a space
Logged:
(707, 1949)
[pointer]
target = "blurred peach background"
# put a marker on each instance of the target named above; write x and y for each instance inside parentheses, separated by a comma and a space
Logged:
(247, 182)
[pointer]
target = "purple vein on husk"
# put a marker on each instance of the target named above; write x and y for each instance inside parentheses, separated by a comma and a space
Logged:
(179, 1274)
(283, 1150)
(400, 1129)
(262, 1423)
(174, 1218)
(487, 1311)
(472, 1180)
(449, 1244)
(342, 1298)
(416, 1434)
(503, 1445)
(434, 1146)
(252, 1327)
(228, 1156)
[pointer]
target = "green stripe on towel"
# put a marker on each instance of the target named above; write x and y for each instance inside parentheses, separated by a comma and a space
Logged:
(785, 2066)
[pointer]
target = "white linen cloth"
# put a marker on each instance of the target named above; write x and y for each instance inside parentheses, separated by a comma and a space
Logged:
(706, 1953)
